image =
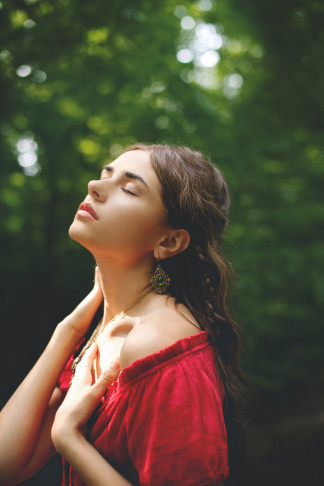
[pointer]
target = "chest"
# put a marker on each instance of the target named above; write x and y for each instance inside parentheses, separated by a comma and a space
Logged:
(110, 342)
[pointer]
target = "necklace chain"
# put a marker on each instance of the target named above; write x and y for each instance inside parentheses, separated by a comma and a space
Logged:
(100, 328)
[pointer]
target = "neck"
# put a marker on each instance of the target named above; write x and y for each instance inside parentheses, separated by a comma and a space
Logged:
(122, 285)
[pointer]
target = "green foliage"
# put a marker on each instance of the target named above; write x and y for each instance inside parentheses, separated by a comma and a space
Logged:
(83, 80)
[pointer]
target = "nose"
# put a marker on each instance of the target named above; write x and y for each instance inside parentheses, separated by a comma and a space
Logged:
(97, 191)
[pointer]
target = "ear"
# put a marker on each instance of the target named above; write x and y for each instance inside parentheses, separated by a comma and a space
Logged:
(176, 242)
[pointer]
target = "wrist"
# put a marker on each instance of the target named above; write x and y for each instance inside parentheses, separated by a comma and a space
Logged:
(81, 317)
(68, 332)
(66, 440)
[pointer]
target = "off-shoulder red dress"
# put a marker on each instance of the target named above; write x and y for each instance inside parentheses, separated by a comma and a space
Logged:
(161, 423)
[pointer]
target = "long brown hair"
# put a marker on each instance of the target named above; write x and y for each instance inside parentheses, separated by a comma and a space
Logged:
(196, 197)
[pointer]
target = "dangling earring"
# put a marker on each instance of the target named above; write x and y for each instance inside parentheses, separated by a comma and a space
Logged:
(160, 279)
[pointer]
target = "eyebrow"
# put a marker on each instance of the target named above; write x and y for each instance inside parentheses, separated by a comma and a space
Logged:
(130, 175)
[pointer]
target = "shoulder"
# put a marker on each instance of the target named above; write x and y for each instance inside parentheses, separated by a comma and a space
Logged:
(153, 333)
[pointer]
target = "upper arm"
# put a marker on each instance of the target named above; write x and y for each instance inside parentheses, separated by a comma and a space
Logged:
(45, 448)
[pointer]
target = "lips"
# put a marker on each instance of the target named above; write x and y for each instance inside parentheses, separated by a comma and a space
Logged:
(86, 210)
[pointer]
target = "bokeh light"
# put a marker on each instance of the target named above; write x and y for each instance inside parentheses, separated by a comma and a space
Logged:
(27, 156)
(201, 48)
(23, 71)
(185, 56)
(187, 23)
(29, 24)
(232, 85)
(39, 76)
(205, 5)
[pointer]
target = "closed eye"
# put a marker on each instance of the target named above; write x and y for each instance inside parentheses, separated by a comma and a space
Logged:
(129, 175)
(128, 192)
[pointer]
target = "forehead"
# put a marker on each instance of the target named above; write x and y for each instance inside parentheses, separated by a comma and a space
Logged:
(134, 158)
(139, 162)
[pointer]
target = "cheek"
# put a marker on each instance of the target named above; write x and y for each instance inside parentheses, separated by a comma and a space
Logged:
(133, 231)
(133, 227)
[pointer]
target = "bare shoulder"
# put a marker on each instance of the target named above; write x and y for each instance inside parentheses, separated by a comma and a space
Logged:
(156, 331)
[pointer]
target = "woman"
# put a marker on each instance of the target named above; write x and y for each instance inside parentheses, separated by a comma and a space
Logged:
(154, 224)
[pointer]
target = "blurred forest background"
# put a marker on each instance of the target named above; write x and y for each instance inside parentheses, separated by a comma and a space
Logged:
(241, 81)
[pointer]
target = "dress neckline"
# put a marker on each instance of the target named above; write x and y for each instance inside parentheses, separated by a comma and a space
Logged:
(145, 365)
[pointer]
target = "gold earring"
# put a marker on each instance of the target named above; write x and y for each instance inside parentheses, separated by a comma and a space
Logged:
(160, 279)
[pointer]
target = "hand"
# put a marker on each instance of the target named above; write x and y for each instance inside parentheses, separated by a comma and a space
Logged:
(82, 398)
(80, 319)
(97, 282)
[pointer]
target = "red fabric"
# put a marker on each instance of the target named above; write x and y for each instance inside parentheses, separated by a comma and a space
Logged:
(162, 422)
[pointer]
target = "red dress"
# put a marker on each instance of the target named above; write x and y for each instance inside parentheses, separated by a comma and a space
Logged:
(162, 423)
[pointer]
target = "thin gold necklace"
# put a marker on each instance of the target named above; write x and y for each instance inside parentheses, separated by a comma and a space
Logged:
(100, 328)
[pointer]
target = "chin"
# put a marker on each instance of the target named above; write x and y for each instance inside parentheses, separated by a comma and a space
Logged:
(75, 232)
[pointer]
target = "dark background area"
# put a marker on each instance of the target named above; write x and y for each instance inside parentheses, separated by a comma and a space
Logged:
(241, 81)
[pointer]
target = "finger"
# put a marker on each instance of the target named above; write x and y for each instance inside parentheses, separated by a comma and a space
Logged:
(97, 280)
(109, 375)
(85, 365)
(96, 274)
(91, 352)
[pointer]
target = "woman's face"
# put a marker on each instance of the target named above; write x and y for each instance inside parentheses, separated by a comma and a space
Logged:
(123, 214)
